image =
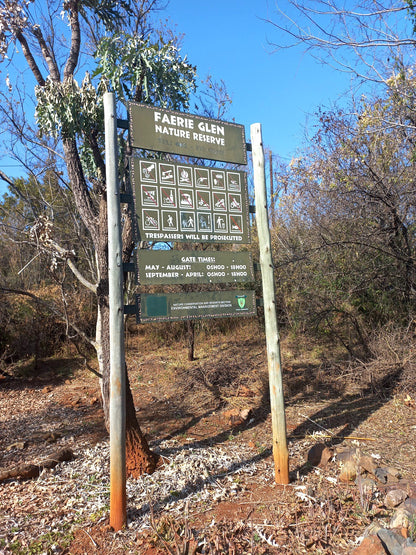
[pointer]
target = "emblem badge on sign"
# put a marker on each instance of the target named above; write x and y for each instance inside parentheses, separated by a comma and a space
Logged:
(241, 299)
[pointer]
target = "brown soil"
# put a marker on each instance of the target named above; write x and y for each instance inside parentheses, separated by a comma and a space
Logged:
(221, 398)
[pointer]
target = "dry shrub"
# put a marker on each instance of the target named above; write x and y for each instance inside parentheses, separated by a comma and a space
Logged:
(217, 373)
(392, 365)
(29, 330)
(162, 334)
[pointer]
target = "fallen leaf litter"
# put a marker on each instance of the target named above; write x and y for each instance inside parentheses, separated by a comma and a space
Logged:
(60, 497)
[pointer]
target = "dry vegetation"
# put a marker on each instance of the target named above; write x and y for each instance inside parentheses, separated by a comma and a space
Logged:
(210, 421)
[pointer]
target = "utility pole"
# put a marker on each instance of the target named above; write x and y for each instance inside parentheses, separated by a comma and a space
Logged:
(116, 308)
(272, 199)
(280, 450)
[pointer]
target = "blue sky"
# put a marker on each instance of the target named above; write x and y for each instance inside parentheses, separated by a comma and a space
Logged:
(280, 89)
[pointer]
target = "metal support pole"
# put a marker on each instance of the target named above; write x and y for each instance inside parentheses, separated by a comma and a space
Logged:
(280, 451)
(116, 307)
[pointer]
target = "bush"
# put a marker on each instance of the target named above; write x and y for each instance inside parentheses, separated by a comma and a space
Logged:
(392, 365)
(29, 329)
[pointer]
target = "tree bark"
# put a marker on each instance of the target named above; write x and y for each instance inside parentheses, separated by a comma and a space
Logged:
(139, 459)
(32, 470)
(138, 455)
(94, 218)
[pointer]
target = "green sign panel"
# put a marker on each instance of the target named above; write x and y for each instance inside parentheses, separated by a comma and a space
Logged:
(190, 306)
(186, 134)
(192, 204)
(157, 267)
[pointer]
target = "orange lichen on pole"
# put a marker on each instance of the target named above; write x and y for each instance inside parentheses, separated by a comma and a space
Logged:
(118, 506)
(116, 323)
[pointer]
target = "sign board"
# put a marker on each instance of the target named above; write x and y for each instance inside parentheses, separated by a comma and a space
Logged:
(157, 267)
(184, 203)
(195, 305)
(186, 134)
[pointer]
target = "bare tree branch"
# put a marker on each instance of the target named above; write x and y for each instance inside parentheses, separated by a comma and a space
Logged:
(51, 308)
(30, 59)
(73, 56)
(348, 38)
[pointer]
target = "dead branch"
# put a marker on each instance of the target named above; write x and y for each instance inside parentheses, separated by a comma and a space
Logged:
(32, 470)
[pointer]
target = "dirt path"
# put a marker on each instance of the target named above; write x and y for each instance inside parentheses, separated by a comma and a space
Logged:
(210, 421)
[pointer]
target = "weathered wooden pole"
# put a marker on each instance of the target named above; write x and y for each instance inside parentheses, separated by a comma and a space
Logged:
(280, 451)
(116, 307)
(272, 199)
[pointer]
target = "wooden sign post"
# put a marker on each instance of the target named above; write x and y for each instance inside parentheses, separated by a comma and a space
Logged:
(188, 203)
(280, 451)
(116, 307)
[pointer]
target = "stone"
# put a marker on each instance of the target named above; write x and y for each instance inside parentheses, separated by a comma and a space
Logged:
(367, 486)
(348, 471)
(404, 532)
(394, 497)
(233, 416)
(17, 445)
(410, 505)
(319, 455)
(348, 459)
(369, 546)
(236, 417)
(373, 528)
(400, 518)
(245, 414)
(348, 454)
(244, 391)
(367, 463)
(391, 541)
(381, 474)
(394, 474)
(409, 550)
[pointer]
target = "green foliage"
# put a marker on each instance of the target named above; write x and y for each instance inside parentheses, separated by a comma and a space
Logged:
(411, 11)
(133, 68)
(47, 543)
(27, 330)
(111, 13)
(137, 69)
(128, 65)
(65, 109)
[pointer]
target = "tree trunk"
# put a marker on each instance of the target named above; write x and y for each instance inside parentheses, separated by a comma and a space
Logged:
(190, 324)
(140, 458)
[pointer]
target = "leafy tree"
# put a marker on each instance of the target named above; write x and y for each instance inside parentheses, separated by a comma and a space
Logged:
(345, 238)
(29, 212)
(353, 208)
(75, 51)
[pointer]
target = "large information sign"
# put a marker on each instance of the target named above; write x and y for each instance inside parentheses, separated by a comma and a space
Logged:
(162, 267)
(186, 134)
(186, 306)
(184, 203)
